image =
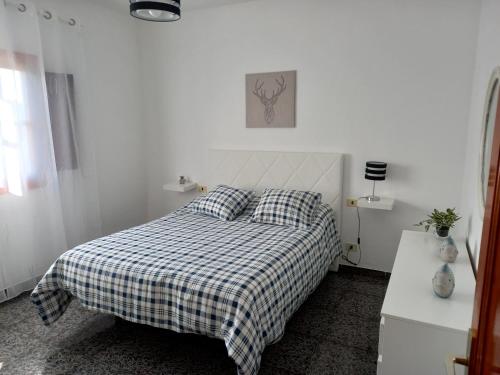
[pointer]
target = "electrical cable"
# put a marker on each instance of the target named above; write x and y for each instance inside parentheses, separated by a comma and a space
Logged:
(346, 257)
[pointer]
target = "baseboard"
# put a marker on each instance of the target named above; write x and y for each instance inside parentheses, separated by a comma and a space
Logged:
(16, 290)
(364, 270)
(367, 267)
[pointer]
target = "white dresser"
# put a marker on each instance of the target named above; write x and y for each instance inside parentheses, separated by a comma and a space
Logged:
(418, 329)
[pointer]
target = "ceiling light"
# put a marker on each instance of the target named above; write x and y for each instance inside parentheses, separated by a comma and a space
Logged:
(159, 11)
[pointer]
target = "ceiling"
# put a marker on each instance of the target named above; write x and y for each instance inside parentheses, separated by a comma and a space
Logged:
(186, 4)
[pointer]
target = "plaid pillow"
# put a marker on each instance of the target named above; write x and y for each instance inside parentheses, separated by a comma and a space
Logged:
(287, 207)
(225, 202)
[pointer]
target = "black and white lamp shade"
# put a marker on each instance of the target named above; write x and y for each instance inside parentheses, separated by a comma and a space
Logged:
(157, 11)
(375, 171)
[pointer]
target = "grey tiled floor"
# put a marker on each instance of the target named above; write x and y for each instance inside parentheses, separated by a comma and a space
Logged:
(334, 332)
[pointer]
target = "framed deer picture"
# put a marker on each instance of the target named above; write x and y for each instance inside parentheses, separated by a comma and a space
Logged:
(270, 99)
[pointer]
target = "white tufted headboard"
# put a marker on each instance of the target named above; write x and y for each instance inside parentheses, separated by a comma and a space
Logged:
(314, 171)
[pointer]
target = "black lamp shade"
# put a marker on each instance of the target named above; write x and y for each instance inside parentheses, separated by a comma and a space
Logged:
(375, 170)
(157, 11)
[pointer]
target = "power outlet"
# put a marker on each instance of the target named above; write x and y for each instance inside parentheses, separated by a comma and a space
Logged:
(350, 247)
(202, 189)
(352, 202)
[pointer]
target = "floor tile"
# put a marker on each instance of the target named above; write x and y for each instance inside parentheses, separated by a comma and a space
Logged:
(16, 310)
(293, 352)
(355, 332)
(338, 359)
(311, 321)
(365, 306)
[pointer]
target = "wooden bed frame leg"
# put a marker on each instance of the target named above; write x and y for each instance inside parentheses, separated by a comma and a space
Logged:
(335, 265)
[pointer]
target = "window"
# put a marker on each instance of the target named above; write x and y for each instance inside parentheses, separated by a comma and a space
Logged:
(13, 128)
(27, 150)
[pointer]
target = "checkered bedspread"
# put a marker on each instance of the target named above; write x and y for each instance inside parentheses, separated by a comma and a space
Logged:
(237, 281)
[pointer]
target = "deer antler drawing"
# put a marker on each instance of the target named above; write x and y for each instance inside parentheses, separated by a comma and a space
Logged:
(269, 102)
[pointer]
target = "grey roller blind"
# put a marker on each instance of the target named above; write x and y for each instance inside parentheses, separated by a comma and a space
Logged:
(61, 100)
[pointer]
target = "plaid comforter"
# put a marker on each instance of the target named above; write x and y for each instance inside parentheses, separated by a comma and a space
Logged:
(237, 281)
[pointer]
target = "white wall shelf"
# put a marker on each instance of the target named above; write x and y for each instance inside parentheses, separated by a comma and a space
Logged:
(181, 188)
(383, 204)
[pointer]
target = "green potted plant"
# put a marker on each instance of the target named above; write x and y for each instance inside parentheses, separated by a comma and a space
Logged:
(441, 220)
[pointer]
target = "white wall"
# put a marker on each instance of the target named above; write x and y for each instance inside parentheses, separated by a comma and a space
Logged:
(487, 58)
(386, 80)
(111, 47)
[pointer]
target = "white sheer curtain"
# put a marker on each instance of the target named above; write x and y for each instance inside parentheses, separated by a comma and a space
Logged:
(48, 190)
(70, 106)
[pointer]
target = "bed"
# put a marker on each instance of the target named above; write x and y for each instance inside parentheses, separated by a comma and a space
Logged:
(237, 281)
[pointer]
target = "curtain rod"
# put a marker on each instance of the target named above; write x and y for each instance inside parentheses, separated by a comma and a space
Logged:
(21, 7)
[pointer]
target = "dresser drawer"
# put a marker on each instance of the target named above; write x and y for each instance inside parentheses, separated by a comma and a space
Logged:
(412, 348)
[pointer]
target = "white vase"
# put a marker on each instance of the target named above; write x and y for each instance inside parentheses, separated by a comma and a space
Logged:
(443, 282)
(448, 250)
